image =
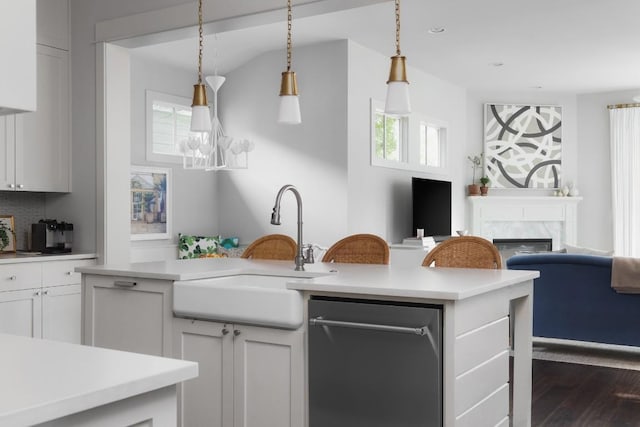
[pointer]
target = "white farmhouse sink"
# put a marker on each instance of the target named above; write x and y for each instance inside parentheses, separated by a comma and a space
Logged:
(244, 298)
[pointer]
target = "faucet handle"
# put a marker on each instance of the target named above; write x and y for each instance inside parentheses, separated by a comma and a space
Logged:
(308, 254)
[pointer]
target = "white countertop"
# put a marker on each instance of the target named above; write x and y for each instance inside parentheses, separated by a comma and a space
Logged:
(45, 380)
(383, 280)
(21, 257)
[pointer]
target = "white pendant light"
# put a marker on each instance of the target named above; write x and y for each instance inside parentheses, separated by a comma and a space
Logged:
(289, 111)
(200, 114)
(397, 102)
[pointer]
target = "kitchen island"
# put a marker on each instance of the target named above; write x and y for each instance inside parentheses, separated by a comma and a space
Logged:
(59, 384)
(479, 308)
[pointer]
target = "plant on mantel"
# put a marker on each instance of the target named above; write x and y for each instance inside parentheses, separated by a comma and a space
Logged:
(484, 189)
(476, 162)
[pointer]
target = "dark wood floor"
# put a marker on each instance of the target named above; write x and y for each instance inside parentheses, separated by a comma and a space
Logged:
(566, 394)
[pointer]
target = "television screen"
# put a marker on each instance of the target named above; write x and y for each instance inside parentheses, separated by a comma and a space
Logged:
(431, 206)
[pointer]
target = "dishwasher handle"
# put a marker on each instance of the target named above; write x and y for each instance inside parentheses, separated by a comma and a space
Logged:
(319, 321)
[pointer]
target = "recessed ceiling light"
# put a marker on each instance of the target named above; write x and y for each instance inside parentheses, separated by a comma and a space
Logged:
(435, 30)
(536, 87)
(496, 64)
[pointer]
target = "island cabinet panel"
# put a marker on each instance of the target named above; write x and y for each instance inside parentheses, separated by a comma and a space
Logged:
(249, 376)
(485, 414)
(207, 399)
(129, 314)
(477, 346)
(20, 313)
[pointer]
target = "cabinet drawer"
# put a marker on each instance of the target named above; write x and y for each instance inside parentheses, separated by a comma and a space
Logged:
(56, 273)
(14, 277)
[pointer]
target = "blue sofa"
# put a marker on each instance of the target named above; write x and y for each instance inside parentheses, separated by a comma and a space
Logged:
(573, 299)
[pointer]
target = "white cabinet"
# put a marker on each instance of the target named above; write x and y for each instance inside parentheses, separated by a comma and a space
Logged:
(249, 376)
(18, 52)
(36, 147)
(42, 299)
(128, 314)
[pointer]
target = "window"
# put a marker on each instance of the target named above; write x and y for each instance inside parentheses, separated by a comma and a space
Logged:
(168, 123)
(432, 140)
(414, 143)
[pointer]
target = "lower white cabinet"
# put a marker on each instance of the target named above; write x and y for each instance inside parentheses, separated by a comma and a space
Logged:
(42, 300)
(128, 314)
(249, 376)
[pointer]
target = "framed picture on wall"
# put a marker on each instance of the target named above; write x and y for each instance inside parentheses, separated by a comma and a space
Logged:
(150, 203)
(7, 234)
(523, 145)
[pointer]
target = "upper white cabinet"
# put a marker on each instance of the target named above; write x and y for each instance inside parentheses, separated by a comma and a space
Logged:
(18, 51)
(53, 23)
(36, 147)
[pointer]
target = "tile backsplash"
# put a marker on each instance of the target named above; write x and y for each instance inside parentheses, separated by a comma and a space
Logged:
(26, 209)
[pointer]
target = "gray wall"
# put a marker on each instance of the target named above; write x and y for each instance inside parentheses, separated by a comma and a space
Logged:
(380, 198)
(194, 196)
(312, 155)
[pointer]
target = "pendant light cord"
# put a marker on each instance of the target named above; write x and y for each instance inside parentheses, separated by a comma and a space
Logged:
(288, 35)
(398, 27)
(200, 41)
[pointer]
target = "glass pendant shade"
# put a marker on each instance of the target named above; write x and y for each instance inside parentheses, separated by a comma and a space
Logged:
(398, 102)
(289, 103)
(289, 110)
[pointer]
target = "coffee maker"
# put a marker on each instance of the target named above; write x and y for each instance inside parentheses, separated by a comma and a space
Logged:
(50, 236)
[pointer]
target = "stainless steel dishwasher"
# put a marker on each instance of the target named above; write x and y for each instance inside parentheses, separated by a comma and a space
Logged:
(374, 363)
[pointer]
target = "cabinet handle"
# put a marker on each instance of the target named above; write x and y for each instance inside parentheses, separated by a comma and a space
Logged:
(45, 292)
(36, 294)
(69, 273)
(12, 186)
(225, 331)
(13, 277)
(236, 332)
(124, 284)
(20, 185)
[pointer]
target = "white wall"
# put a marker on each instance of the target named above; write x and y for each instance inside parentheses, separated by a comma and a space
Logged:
(595, 220)
(194, 196)
(380, 198)
(312, 155)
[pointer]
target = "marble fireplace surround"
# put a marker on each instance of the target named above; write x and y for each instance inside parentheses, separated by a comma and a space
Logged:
(515, 217)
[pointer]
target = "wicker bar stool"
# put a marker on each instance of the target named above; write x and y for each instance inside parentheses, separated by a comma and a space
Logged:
(359, 249)
(272, 246)
(464, 252)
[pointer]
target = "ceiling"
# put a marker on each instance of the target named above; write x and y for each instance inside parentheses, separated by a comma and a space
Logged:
(576, 46)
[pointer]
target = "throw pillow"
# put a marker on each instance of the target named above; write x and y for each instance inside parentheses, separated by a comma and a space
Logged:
(197, 246)
(581, 250)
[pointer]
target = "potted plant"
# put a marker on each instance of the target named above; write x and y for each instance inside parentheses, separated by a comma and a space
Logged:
(483, 187)
(476, 161)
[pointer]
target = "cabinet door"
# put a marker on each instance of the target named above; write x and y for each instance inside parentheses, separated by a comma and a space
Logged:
(268, 377)
(208, 399)
(20, 313)
(43, 150)
(128, 314)
(7, 152)
(61, 313)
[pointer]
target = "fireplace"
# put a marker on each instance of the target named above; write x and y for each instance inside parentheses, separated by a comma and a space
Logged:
(510, 247)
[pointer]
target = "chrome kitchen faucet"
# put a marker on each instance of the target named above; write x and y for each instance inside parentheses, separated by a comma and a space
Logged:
(275, 220)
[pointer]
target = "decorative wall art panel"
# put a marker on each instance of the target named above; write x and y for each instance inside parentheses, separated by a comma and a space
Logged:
(523, 145)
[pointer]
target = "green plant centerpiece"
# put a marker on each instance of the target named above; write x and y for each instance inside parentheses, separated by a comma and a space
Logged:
(6, 234)
(484, 189)
(476, 162)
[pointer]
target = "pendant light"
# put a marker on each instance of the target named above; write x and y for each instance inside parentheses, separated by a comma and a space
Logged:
(289, 103)
(397, 102)
(200, 114)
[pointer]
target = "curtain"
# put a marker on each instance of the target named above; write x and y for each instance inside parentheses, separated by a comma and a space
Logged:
(625, 180)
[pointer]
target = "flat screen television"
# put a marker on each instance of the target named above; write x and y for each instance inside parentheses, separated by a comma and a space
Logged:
(431, 206)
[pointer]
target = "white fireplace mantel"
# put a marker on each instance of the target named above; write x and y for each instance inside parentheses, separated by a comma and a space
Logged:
(488, 212)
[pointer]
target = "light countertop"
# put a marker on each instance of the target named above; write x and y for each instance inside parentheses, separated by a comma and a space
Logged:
(21, 257)
(383, 280)
(45, 380)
